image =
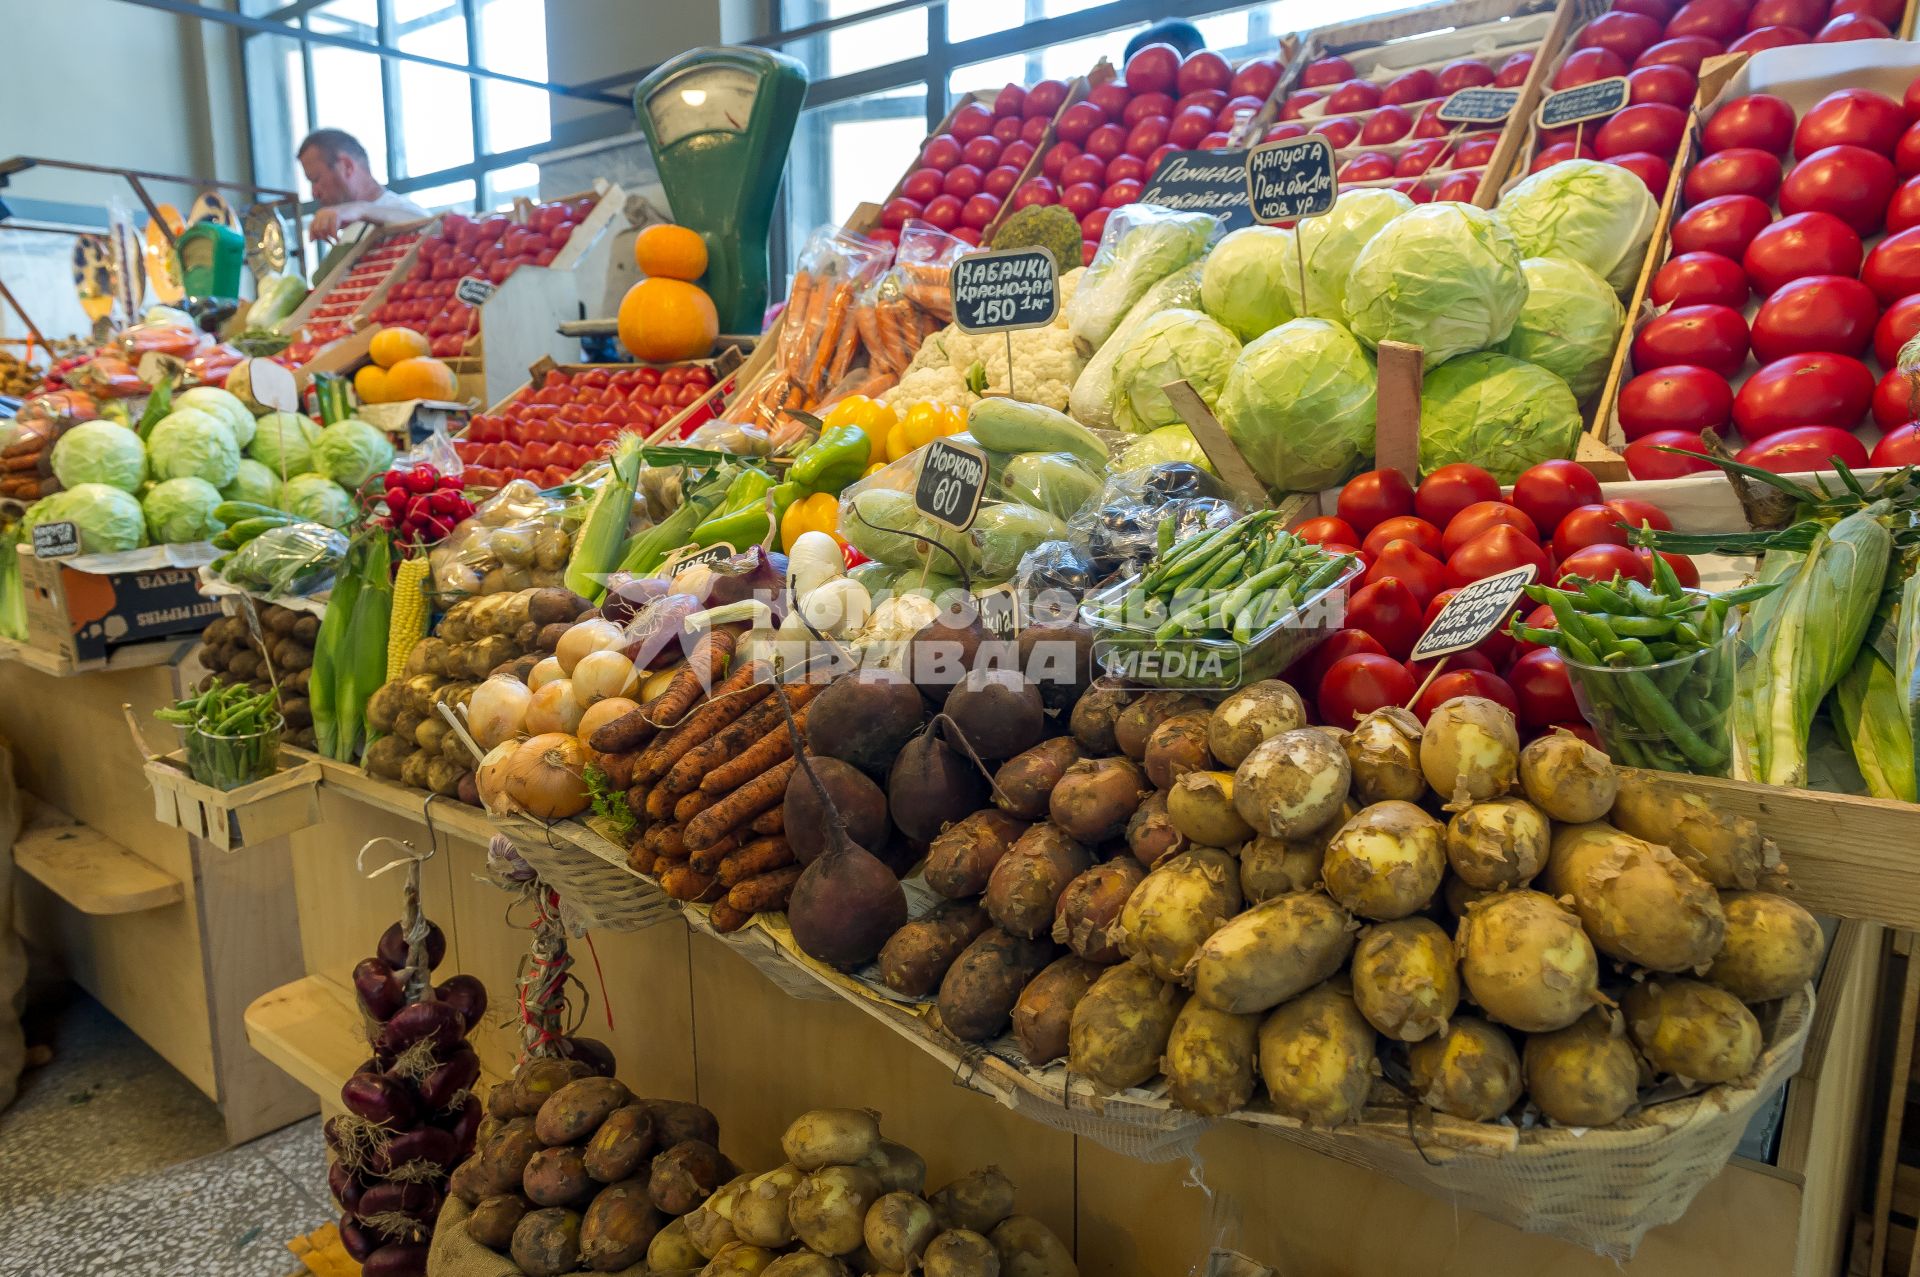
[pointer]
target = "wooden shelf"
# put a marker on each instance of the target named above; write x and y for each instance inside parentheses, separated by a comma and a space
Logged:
(312, 1030)
(89, 870)
(448, 815)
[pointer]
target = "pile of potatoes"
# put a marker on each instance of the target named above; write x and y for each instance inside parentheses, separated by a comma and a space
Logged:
(232, 655)
(477, 637)
(1222, 895)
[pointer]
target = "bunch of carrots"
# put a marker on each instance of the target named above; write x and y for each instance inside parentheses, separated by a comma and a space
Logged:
(706, 780)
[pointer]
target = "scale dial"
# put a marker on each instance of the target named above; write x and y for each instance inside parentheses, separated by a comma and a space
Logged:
(703, 99)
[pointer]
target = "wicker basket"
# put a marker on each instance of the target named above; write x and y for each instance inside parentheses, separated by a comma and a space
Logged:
(590, 874)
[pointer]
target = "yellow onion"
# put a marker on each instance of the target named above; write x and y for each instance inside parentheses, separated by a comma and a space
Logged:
(596, 635)
(491, 778)
(545, 777)
(497, 710)
(553, 709)
(600, 713)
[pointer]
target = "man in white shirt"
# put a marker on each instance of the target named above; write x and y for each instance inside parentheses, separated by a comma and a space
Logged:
(336, 166)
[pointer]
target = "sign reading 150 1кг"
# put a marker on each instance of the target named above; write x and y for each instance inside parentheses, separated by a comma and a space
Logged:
(1003, 291)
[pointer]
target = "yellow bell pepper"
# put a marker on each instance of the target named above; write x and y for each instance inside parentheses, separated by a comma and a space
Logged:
(873, 417)
(922, 424)
(817, 513)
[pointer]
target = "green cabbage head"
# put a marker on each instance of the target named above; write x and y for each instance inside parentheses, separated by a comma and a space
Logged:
(1585, 211)
(351, 452)
(223, 405)
(1500, 413)
(100, 452)
(1168, 443)
(1444, 277)
(104, 518)
(1171, 346)
(191, 444)
(181, 510)
(318, 499)
(1299, 404)
(253, 483)
(1332, 241)
(1250, 282)
(284, 442)
(1569, 325)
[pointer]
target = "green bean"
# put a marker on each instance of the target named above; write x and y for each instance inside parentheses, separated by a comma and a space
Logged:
(1640, 626)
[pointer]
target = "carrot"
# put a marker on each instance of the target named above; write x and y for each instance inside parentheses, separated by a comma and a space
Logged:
(866, 319)
(775, 747)
(815, 379)
(726, 919)
(671, 849)
(618, 767)
(843, 352)
(772, 821)
(762, 855)
(642, 861)
(692, 804)
(741, 690)
(683, 883)
(703, 665)
(736, 736)
(793, 319)
(765, 892)
(714, 823)
(707, 859)
(659, 805)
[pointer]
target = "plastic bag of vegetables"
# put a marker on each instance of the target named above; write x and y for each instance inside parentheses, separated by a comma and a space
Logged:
(297, 559)
(1091, 402)
(1057, 482)
(1004, 532)
(1141, 245)
(1121, 523)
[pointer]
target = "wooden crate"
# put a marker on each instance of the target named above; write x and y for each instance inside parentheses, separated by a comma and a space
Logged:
(80, 618)
(231, 819)
(358, 250)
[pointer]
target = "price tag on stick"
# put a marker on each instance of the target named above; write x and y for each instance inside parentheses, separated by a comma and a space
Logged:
(953, 477)
(55, 541)
(1202, 182)
(1479, 106)
(1582, 103)
(1474, 613)
(1291, 179)
(474, 291)
(688, 555)
(1007, 290)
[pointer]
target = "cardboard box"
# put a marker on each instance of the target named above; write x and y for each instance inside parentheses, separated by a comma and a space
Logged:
(80, 616)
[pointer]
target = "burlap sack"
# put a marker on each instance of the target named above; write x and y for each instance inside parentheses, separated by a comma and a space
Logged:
(13, 955)
(454, 1254)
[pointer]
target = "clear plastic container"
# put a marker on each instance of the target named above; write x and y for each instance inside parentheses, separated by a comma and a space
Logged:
(228, 762)
(1129, 650)
(1674, 716)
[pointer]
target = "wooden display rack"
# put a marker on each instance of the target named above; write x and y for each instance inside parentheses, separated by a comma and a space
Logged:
(231, 819)
(89, 870)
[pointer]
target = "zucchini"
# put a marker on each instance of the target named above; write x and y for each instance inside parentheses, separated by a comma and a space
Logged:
(232, 512)
(1007, 425)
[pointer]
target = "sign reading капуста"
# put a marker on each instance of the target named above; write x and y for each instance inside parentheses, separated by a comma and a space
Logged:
(1472, 614)
(1583, 102)
(1003, 291)
(1202, 182)
(1479, 106)
(1291, 179)
(952, 479)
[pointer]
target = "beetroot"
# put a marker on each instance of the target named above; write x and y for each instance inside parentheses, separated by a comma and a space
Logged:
(864, 718)
(998, 712)
(435, 1022)
(356, 1239)
(944, 652)
(593, 1053)
(861, 803)
(393, 946)
(380, 1099)
(932, 785)
(465, 994)
(457, 1072)
(378, 989)
(408, 1259)
(1058, 657)
(427, 1144)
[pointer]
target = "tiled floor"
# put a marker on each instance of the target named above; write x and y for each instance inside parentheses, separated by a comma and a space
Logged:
(111, 1162)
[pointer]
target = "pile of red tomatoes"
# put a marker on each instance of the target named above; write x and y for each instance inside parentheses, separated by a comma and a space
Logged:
(545, 433)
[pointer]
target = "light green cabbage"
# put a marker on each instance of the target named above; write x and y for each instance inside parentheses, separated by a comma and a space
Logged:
(1251, 280)
(223, 405)
(191, 444)
(1091, 400)
(350, 452)
(1569, 325)
(1585, 211)
(1299, 404)
(100, 452)
(1500, 413)
(1331, 242)
(1141, 246)
(318, 499)
(104, 518)
(253, 483)
(1444, 277)
(284, 442)
(1168, 443)
(1171, 346)
(181, 510)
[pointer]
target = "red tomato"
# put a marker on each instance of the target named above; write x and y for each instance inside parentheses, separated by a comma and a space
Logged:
(1462, 73)
(1817, 312)
(1471, 659)
(1851, 117)
(1635, 513)
(1546, 493)
(1683, 567)
(1542, 692)
(1541, 618)
(1459, 187)
(1405, 527)
(1899, 447)
(1584, 66)
(1652, 126)
(1687, 51)
(1404, 561)
(1652, 171)
(1645, 460)
(1851, 182)
(1802, 244)
(1852, 26)
(1368, 499)
(1725, 224)
(1887, 12)
(1707, 336)
(1359, 684)
(1416, 85)
(1700, 279)
(1767, 38)
(1802, 449)
(1451, 489)
(1514, 71)
(1352, 96)
(1903, 210)
(1500, 548)
(1327, 528)
(1674, 85)
(1627, 34)
(1805, 15)
(1738, 170)
(1457, 683)
(1390, 611)
(1680, 397)
(1896, 328)
(1892, 270)
(1894, 399)
(1313, 667)
(1368, 166)
(1906, 153)
(1816, 389)
(1603, 563)
(1480, 516)
(1597, 524)
(1719, 20)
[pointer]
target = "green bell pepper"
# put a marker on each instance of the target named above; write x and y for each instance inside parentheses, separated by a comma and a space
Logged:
(742, 519)
(833, 461)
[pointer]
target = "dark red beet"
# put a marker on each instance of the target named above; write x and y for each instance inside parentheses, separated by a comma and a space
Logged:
(457, 1072)
(862, 804)
(932, 785)
(421, 1144)
(358, 1241)
(379, 990)
(465, 994)
(865, 717)
(379, 1098)
(393, 946)
(593, 1053)
(397, 1260)
(430, 1021)
(998, 711)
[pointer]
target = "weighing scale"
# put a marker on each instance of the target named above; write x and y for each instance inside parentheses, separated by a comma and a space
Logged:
(210, 256)
(720, 121)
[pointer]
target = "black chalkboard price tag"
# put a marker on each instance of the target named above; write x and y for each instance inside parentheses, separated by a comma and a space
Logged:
(55, 541)
(1202, 182)
(1479, 106)
(952, 479)
(1291, 179)
(1583, 102)
(474, 291)
(1000, 292)
(1477, 611)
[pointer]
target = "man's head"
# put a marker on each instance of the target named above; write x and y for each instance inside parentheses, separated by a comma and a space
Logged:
(1181, 34)
(336, 165)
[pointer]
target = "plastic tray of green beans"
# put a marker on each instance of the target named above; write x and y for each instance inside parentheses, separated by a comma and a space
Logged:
(1652, 667)
(232, 734)
(1230, 606)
